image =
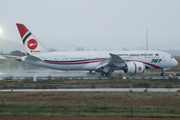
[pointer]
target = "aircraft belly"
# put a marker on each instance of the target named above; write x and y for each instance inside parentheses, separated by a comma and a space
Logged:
(90, 66)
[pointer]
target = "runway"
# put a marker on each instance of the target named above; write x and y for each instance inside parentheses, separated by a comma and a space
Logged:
(96, 90)
(54, 74)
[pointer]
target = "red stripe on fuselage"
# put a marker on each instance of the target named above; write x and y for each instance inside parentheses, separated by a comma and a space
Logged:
(74, 63)
(152, 65)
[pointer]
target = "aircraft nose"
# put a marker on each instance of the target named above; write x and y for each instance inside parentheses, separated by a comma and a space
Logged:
(174, 62)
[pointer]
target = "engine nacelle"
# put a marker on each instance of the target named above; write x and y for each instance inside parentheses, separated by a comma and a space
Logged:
(134, 68)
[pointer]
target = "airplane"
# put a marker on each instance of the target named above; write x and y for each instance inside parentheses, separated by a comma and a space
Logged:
(103, 62)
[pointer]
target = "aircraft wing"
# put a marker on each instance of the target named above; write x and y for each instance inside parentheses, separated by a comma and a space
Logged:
(11, 56)
(116, 60)
(111, 64)
(29, 58)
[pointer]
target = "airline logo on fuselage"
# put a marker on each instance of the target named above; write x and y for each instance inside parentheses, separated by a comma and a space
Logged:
(32, 44)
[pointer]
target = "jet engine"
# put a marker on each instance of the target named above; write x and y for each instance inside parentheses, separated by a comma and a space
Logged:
(134, 68)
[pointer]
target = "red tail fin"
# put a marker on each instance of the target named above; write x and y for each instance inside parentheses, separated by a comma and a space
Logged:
(22, 29)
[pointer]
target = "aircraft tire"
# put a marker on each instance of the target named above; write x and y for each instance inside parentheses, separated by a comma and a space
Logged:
(162, 74)
(108, 74)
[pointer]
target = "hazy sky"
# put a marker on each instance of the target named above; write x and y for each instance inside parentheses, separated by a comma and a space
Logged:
(94, 24)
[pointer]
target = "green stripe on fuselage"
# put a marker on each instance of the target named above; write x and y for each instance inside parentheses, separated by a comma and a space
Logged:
(24, 40)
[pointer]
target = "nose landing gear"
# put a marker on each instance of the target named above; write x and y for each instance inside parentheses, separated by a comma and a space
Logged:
(162, 74)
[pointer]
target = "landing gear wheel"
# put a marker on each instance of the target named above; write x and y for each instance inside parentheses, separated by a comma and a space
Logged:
(162, 74)
(108, 74)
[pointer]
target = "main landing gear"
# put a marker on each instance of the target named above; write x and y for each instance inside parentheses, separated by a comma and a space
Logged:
(103, 74)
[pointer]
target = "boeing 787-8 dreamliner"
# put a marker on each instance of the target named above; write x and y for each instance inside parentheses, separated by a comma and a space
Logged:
(103, 62)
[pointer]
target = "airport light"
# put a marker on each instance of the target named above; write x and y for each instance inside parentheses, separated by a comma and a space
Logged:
(34, 78)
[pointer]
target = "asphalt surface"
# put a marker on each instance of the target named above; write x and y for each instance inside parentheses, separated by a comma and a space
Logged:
(97, 90)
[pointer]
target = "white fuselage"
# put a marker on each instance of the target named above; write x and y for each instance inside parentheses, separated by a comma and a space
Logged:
(89, 60)
(104, 62)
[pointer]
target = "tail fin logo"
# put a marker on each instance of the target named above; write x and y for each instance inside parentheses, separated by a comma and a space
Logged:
(32, 44)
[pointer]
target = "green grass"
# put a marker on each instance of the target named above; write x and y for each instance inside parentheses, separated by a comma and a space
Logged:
(78, 111)
(95, 83)
(134, 104)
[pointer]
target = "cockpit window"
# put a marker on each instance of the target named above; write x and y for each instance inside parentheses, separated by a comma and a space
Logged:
(172, 57)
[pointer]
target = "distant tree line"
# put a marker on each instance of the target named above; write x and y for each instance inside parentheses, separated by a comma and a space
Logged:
(17, 53)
